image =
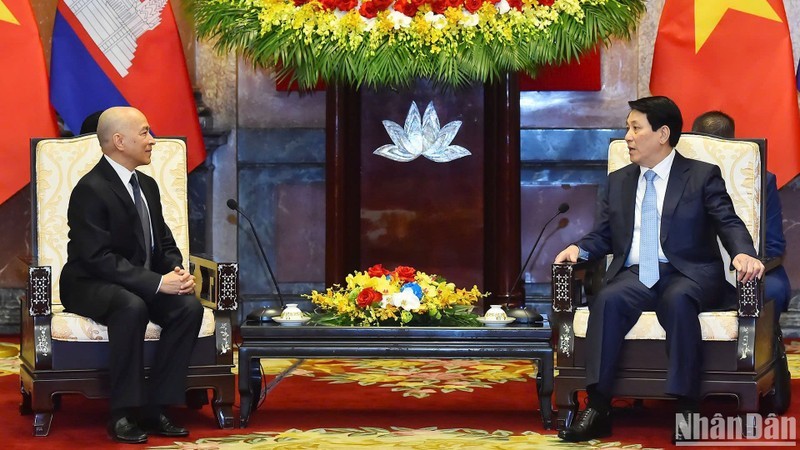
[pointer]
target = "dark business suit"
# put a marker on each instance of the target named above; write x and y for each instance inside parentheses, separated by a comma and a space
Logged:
(696, 208)
(105, 279)
(776, 281)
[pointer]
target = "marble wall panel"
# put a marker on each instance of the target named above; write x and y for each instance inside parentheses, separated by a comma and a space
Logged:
(272, 165)
(261, 106)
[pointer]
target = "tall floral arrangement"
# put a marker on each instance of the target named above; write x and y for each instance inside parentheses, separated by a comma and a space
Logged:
(403, 296)
(392, 42)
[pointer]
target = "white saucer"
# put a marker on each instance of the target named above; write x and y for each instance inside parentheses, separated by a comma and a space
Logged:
(496, 323)
(291, 322)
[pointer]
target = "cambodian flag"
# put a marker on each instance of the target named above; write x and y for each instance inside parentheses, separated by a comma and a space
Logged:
(123, 53)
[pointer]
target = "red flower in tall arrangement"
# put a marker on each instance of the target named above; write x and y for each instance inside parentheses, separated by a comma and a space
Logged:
(473, 5)
(347, 5)
(368, 10)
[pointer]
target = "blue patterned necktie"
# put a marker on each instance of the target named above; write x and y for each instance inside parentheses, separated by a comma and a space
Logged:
(144, 218)
(648, 236)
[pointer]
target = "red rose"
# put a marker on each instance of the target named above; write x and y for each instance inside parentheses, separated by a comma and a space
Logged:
(367, 297)
(405, 273)
(418, 3)
(439, 6)
(369, 10)
(347, 5)
(329, 4)
(405, 7)
(377, 270)
(381, 5)
(473, 5)
(300, 2)
(455, 3)
(546, 2)
(516, 4)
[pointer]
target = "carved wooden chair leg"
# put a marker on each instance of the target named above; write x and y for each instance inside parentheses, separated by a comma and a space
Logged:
(223, 404)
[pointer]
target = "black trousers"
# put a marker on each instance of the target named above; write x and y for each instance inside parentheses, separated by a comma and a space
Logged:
(127, 315)
(676, 300)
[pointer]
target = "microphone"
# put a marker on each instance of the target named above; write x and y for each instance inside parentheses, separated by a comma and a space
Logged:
(562, 208)
(265, 314)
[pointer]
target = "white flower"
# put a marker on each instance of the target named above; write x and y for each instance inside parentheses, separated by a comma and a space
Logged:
(399, 20)
(369, 24)
(503, 7)
(406, 300)
(437, 21)
(470, 20)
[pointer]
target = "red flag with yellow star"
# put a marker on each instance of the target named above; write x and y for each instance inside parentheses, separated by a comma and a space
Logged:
(734, 56)
(25, 110)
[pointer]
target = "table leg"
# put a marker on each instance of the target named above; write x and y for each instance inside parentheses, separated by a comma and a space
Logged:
(544, 385)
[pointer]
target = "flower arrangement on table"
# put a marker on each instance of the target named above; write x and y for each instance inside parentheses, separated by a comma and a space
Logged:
(403, 296)
(392, 42)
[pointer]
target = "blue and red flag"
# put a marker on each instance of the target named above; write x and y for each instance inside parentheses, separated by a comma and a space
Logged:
(123, 53)
(25, 111)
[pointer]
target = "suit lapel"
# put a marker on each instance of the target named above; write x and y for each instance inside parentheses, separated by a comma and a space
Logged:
(675, 186)
(121, 191)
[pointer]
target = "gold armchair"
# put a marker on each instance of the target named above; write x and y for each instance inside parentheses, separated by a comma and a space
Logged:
(63, 352)
(737, 345)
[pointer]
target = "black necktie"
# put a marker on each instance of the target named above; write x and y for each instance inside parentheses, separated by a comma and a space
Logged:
(144, 218)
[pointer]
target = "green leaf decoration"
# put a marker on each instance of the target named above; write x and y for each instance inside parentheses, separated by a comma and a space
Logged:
(390, 43)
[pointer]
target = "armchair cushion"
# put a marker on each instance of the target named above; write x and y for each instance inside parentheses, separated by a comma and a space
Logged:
(66, 326)
(715, 326)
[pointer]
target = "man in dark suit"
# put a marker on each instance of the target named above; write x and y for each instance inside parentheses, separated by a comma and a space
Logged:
(659, 218)
(123, 270)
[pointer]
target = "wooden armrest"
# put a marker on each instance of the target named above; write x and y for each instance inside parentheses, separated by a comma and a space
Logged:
(216, 284)
(750, 298)
(569, 278)
(39, 298)
(771, 263)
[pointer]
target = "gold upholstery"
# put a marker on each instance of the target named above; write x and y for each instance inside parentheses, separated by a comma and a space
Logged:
(715, 326)
(60, 163)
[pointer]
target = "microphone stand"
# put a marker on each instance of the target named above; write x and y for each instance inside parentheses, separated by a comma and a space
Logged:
(522, 314)
(264, 314)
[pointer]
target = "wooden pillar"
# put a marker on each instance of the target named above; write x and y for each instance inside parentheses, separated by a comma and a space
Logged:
(503, 258)
(343, 183)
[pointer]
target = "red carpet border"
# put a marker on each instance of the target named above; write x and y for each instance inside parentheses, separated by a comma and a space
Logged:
(352, 403)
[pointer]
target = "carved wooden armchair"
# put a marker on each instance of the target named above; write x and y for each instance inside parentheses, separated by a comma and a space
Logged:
(738, 345)
(63, 352)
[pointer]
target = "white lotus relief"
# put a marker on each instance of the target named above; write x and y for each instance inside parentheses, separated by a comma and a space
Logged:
(422, 137)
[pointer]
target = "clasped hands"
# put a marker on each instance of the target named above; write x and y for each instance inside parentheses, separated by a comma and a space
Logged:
(747, 267)
(177, 282)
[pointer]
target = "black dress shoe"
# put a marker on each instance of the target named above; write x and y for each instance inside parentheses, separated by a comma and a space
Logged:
(163, 427)
(126, 432)
(590, 424)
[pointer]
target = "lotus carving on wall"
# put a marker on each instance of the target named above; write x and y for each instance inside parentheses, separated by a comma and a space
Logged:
(422, 136)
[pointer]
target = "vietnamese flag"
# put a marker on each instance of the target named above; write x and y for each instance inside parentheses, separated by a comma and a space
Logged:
(734, 56)
(25, 110)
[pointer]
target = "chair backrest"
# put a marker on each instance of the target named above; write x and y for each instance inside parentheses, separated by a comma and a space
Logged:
(742, 166)
(56, 167)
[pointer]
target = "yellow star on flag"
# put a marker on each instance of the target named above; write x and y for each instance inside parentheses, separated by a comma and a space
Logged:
(708, 13)
(5, 14)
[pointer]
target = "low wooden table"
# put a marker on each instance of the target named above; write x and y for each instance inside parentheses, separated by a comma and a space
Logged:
(270, 340)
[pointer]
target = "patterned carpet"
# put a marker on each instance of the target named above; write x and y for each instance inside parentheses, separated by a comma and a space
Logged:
(417, 380)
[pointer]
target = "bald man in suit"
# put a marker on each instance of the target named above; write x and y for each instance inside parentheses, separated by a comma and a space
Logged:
(659, 218)
(123, 270)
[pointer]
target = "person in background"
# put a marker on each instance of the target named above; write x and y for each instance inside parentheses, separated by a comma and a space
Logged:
(673, 268)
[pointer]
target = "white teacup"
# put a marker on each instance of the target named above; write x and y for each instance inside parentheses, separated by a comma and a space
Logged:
(291, 312)
(495, 314)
